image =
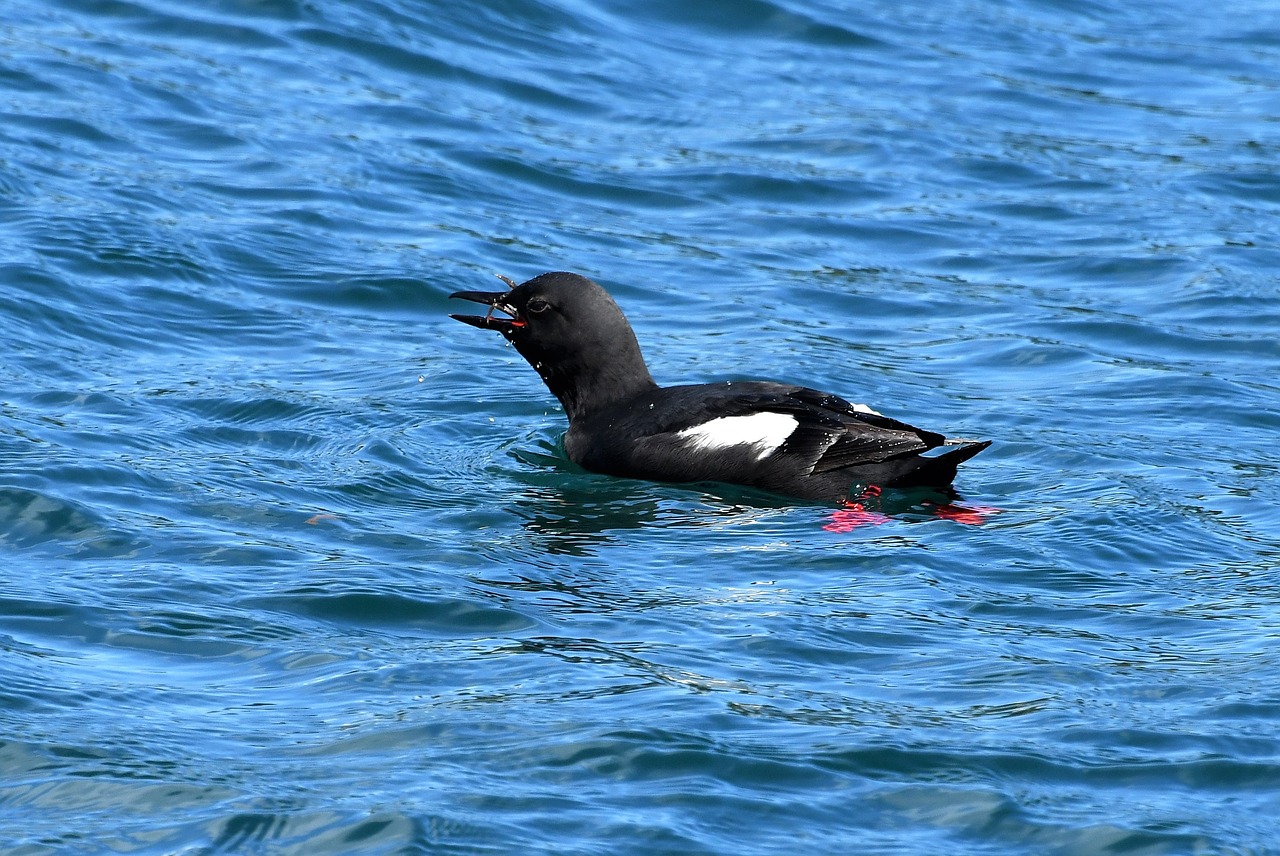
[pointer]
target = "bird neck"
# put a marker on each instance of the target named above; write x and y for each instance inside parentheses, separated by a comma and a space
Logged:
(584, 388)
(598, 389)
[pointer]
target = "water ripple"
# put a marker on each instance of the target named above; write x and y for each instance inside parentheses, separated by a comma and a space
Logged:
(295, 563)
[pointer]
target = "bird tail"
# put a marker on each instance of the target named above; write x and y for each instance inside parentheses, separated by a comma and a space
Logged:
(940, 470)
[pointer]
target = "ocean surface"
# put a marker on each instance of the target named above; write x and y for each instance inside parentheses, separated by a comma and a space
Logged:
(291, 563)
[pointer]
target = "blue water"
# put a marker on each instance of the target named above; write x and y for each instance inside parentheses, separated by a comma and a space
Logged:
(292, 563)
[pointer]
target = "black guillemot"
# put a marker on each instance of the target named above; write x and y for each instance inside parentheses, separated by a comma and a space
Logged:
(784, 439)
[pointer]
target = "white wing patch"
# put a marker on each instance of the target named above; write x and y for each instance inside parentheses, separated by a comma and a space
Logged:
(862, 408)
(763, 431)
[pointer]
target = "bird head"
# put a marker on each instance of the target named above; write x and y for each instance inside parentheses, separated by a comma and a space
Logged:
(572, 333)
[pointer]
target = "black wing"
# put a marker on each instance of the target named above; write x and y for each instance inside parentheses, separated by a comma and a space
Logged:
(857, 437)
(831, 433)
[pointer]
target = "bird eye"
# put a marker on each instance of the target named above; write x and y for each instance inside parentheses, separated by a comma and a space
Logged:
(538, 305)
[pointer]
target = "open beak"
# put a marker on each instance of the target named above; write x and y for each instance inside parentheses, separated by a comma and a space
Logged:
(489, 321)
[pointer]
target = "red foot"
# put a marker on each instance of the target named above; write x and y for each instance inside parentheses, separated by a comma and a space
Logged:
(859, 512)
(972, 515)
(856, 514)
(852, 517)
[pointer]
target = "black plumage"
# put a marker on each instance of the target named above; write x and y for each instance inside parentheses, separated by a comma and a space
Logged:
(781, 438)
